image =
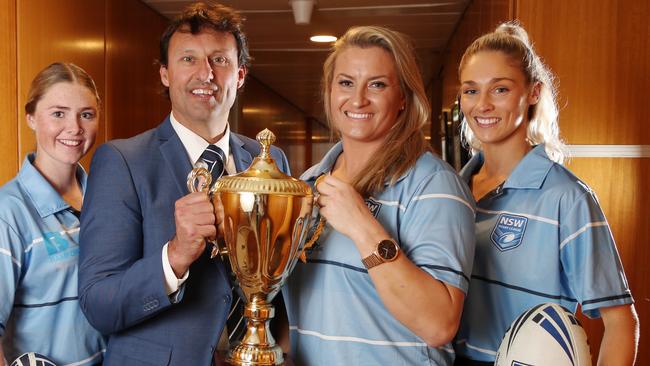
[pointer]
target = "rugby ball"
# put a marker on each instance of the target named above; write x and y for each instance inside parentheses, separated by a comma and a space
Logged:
(546, 334)
(32, 359)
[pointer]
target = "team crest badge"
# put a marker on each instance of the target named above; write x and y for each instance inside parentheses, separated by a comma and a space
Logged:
(509, 231)
(373, 206)
(58, 247)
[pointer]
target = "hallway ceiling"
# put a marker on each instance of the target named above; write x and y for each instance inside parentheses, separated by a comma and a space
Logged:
(289, 63)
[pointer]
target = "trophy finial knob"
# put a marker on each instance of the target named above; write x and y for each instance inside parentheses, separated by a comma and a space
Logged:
(266, 138)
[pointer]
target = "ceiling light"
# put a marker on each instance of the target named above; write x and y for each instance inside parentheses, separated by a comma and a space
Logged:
(322, 39)
(302, 10)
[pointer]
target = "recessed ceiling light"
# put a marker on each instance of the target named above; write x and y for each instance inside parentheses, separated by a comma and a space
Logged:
(322, 39)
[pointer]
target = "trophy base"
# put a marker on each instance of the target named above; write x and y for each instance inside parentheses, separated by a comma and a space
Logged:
(255, 355)
(258, 348)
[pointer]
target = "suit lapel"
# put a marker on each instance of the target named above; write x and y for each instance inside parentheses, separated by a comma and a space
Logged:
(242, 157)
(174, 155)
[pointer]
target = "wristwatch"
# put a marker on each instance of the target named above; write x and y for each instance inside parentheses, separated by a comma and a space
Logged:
(387, 251)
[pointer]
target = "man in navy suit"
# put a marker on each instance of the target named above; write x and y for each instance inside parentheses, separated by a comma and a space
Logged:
(145, 275)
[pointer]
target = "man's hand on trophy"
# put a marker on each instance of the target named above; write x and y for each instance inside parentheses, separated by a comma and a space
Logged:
(219, 214)
(195, 222)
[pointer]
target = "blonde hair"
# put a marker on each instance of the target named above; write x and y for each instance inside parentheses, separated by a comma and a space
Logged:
(405, 142)
(58, 72)
(543, 128)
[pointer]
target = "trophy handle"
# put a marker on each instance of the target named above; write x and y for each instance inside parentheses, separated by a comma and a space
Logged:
(312, 240)
(319, 228)
(199, 180)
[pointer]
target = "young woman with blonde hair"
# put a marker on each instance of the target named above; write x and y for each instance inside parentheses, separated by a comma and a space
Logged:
(541, 235)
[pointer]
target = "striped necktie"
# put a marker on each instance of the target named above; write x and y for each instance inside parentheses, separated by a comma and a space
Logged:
(214, 157)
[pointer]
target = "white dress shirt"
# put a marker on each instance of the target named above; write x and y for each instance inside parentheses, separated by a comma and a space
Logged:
(194, 146)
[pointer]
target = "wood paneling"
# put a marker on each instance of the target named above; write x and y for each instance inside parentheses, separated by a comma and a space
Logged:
(8, 92)
(601, 55)
(480, 17)
(115, 41)
(622, 188)
(65, 30)
(133, 88)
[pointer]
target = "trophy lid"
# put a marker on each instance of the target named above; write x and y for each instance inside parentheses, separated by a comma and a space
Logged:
(263, 176)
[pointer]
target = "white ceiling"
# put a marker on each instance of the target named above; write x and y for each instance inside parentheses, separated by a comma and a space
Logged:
(287, 62)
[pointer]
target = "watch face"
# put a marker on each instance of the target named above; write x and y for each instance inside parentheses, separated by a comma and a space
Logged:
(387, 249)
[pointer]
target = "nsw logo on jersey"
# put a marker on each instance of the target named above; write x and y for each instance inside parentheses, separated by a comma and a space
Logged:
(509, 231)
(58, 247)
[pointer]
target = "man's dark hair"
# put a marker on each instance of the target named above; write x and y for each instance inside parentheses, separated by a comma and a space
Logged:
(200, 16)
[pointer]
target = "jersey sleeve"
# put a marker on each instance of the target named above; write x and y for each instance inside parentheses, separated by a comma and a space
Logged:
(591, 265)
(437, 229)
(11, 263)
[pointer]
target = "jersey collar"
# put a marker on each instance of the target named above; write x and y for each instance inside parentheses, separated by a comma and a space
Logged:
(327, 164)
(44, 197)
(529, 173)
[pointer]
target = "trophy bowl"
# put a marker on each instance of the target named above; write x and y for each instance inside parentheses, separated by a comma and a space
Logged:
(267, 220)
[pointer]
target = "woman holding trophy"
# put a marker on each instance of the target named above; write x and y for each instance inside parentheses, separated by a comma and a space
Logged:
(386, 281)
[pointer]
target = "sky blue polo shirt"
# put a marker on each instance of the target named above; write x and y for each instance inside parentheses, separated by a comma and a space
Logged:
(540, 237)
(39, 308)
(335, 314)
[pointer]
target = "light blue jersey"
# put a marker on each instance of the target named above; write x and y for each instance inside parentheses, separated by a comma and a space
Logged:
(541, 237)
(39, 308)
(335, 314)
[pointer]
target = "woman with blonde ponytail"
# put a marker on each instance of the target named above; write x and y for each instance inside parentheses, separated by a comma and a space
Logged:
(541, 234)
(386, 281)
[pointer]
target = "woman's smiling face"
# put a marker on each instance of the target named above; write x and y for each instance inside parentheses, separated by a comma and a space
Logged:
(366, 96)
(65, 122)
(495, 97)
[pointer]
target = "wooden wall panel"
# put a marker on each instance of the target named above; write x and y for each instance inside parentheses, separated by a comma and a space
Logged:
(133, 88)
(601, 55)
(65, 30)
(8, 92)
(622, 188)
(480, 17)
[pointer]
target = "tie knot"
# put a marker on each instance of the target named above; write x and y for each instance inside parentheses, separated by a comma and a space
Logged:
(214, 157)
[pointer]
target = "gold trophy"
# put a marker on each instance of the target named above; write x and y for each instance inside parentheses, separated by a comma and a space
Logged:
(267, 220)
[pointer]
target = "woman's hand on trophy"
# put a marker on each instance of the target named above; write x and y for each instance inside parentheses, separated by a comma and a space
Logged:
(194, 216)
(345, 209)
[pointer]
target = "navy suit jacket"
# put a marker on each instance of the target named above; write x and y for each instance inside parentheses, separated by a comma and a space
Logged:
(127, 217)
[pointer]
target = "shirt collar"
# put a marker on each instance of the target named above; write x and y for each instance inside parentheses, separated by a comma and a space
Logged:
(529, 173)
(327, 164)
(194, 144)
(43, 196)
(472, 167)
